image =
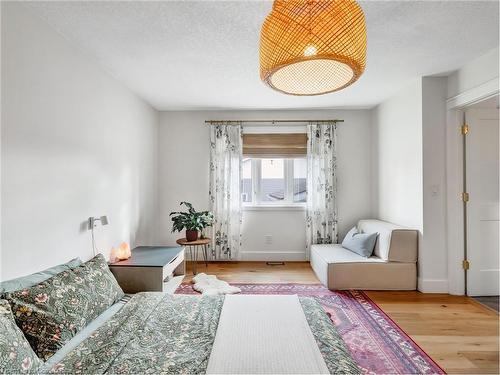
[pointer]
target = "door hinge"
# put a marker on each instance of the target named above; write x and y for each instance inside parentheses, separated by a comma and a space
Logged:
(465, 264)
(464, 129)
(465, 197)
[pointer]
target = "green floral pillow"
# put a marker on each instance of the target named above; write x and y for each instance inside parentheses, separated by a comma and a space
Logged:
(16, 356)
(53, 311)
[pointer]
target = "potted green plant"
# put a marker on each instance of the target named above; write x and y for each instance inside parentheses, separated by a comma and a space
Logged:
(191, 221)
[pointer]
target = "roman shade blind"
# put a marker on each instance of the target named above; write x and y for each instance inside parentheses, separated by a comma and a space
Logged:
(275, 145)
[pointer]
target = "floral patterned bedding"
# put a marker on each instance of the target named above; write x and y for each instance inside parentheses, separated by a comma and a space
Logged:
(51, 312)
(160, 333)
(16, 355)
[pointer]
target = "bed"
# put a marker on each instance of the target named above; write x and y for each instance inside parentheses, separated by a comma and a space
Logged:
(181, 334)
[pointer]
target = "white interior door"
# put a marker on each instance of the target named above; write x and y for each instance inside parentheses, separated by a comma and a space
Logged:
(482, 166)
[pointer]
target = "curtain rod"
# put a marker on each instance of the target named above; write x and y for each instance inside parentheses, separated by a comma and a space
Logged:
(272, 122)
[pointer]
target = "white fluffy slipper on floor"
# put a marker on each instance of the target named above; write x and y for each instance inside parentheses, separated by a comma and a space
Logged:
(210, 285)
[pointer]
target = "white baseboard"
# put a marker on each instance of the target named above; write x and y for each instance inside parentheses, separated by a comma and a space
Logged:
(272, 256)
(433, 285)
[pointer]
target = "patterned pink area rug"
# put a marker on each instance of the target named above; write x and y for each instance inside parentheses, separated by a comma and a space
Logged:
(375, 341)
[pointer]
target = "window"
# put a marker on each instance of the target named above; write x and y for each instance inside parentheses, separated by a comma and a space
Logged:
(274, 169)
(299, 180)
(274, 181)
(246, 180)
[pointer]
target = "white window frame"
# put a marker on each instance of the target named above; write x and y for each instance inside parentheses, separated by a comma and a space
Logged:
(287, 202)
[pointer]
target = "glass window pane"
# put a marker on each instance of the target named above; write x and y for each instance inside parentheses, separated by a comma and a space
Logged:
(246, 181)
(299, 180)
(272, 183)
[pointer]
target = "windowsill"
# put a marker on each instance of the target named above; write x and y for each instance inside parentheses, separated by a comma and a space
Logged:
(274, 207)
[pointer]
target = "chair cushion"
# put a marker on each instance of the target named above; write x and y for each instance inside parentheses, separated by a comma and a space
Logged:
(53, 311)
(338, 268)
(16, 355)
(394, 243)
(372, 276)
(335, 253)
(360, 243)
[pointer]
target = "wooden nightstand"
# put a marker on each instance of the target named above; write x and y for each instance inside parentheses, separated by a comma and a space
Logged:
(149, 268)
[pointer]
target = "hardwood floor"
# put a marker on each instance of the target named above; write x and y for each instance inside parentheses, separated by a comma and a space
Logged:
(257, 272)
(459, 333)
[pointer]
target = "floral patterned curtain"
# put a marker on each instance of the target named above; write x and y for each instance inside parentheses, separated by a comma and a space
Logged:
(224, 193)
(321, 216)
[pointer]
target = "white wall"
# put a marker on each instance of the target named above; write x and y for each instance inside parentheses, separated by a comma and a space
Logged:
(75, 144)
(433, 275)
(397, 157)
(409, 172)
(183, 175)
(477, 72)
(287, 228)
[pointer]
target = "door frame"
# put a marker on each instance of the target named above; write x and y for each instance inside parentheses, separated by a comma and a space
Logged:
(454, 179)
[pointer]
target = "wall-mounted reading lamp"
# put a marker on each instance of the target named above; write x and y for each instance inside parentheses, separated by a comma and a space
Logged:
(92, 223)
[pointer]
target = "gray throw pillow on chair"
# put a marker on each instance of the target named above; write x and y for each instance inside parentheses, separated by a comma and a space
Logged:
(360, 243)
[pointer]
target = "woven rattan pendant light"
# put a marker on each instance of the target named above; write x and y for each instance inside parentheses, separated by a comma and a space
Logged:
(312, 47)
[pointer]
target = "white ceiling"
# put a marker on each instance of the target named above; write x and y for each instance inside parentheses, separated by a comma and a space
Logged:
(205, 54)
